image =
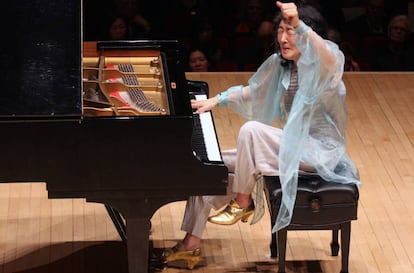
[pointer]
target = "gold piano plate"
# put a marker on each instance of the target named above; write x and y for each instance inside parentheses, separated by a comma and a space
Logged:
(131, 82)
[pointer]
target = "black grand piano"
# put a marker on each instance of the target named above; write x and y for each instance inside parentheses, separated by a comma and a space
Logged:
(116, 128)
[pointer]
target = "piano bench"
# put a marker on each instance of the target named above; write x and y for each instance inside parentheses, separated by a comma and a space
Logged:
(320, 205)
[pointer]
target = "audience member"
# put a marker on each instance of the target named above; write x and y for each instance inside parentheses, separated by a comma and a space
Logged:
(265, 41)
(225, 15)
(350, 63)
(332, 11)
(372, 23)
(398, 53)
(251, 49)
(117, 29)
(198, 61)
(138, 26)
(205, 39)
(250, 38)
(251, 16)
(182, 17)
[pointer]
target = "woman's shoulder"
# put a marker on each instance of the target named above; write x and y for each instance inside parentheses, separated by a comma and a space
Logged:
(273, 58)
(271, 66)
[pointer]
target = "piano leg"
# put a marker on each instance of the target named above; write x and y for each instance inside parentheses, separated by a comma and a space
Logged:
(137, 214)
(138, 244)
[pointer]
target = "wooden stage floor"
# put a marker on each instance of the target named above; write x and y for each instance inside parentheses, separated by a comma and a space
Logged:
(38, 235)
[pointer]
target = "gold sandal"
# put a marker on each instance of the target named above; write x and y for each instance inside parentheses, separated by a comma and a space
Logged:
(193, 257)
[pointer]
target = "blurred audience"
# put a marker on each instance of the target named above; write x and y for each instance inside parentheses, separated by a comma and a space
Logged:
(252, 14)
(332, 12)
(350, 62)
(265, 41)
(137, 25)
(372, 22)
(397, 54)
(182, 17)
(238, 34)
(205, 38)
(250, 35)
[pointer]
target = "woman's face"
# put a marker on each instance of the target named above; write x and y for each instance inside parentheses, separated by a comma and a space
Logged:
(198, 61)
(398, 31)
(118, 29)
(286, 39)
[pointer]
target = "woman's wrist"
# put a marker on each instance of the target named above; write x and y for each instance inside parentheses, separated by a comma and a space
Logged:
(221, 98)
(216, 100)
(218, 97)
(301, 28)
(295, 26)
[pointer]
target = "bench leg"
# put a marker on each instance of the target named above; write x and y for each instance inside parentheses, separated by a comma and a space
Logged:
(345, 242)
(273, 245)
(281, 242)
(334, 243)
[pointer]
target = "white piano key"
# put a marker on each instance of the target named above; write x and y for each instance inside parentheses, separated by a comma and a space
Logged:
(209, 133)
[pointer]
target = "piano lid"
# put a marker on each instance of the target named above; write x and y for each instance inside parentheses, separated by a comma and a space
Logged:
(40, 61)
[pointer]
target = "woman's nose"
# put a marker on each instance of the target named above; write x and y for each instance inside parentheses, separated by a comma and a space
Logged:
(283, 37)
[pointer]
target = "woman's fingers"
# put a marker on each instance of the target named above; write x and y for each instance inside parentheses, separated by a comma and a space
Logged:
(289, 12)
(199, 105)
(202, 106)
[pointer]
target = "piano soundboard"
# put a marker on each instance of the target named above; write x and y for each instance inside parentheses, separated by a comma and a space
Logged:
(118, 85)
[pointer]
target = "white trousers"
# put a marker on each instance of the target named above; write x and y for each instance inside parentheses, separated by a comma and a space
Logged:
(256, 155)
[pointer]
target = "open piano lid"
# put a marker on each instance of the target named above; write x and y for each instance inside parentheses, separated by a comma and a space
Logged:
(40, 62)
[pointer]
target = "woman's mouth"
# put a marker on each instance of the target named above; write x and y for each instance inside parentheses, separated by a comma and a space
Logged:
(285, 50)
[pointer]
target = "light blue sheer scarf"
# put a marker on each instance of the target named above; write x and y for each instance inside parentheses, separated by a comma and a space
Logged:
(315, 128)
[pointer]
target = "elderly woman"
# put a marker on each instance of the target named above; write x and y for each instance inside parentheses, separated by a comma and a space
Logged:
(300, 87)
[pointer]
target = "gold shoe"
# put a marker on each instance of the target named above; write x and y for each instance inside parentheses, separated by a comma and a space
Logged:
(192, 257)
(231, 214)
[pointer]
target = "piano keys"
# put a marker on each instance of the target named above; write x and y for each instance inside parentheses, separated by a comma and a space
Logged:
(205, 143)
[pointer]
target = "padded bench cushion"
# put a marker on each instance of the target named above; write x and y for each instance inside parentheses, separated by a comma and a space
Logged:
(330, 203)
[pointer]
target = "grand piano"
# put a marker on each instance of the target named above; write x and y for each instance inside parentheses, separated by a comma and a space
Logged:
(116, 128)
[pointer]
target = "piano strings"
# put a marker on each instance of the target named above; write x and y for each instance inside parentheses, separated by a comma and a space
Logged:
(121, 87)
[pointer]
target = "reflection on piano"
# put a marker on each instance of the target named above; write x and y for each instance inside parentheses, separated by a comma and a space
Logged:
(133, 150)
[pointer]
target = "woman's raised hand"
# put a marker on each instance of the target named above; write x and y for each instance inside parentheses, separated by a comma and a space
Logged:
(289, 12)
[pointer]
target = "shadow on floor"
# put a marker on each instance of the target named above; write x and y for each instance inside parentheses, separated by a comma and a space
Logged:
(111, 256)
(79, 257)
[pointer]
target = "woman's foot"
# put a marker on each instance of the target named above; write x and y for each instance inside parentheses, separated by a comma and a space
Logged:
(178, 252)
(232, 213)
